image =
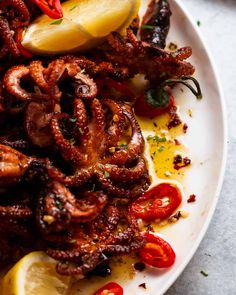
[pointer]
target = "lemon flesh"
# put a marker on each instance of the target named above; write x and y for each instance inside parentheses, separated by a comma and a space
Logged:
(35, 274)
(85, 24)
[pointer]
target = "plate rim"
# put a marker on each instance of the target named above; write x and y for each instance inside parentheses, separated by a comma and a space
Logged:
(222, 169)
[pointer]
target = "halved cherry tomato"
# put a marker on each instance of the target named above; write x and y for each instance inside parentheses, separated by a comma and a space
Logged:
(51, 8)
(158, 203)
(110, 289)
(18, 38)
(157, 252)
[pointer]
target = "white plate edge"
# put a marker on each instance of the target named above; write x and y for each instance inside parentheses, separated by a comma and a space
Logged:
(222, 102)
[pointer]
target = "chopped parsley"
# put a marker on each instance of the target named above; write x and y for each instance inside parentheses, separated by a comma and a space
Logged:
(72, 241)
(81, 131)
(156, 138)
(199, 23)
(161, 149)
(205, 274)
(106, 174)
(59, 205)
(72, 8)
(72, 141)
(93, 187)
(147, 27)
(57, 22)
(72, 120)
(123, 146)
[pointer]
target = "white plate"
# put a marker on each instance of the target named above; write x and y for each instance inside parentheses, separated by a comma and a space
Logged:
(206, 140)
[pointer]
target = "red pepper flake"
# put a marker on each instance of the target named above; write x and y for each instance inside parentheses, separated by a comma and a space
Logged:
(177, 142)
(192, 198)
(174, 118)
(185, 128)
(143, 285)
(140, 266)
(180, 162)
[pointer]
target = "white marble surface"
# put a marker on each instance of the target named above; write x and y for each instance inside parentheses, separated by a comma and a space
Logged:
(217, 252)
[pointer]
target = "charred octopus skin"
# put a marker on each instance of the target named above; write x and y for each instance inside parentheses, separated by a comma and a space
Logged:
(156, 23)
(100, 143)
(72, 151)
(140, 57)
(115, 166)
(15, 15)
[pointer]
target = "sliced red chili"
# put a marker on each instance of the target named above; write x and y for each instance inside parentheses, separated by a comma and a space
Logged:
(51, 8)
(157, 252)
(110, 289)
(158, 203)
(18, 38)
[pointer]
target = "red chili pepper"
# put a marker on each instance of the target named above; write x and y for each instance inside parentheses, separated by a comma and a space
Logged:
(51, 8)
(157, 252)
(158, 203)
(18, 38)
(156, 101)
(110, 289)
(144, 109)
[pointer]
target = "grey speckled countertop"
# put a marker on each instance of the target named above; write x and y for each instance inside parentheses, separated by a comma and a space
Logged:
(217, 252)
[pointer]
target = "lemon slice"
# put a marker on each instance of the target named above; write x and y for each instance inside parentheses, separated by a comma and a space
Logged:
(35, 274)
(85, 23)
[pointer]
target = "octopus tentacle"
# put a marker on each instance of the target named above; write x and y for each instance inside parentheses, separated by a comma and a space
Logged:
(12, 81)
(68, 150)
(20, 7)
(85, 87)
(127, 174)
(135, 146)
(7, 37)
(116, 130)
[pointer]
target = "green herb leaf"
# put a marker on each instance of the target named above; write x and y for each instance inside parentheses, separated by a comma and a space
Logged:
(156, 138)
(150, 27)
(106, 174)
(72, 141)
(93, 187)
(81, 131)
(72, 8)
(205, 274)
(58, 205)
(154, 154)
(73, 241)
(199, 23)
(57, 22)
(123, 146)
(72, 120)
(161, 149)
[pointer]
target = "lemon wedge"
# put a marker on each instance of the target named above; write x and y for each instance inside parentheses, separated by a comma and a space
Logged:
(85, 24)
(35, 274)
